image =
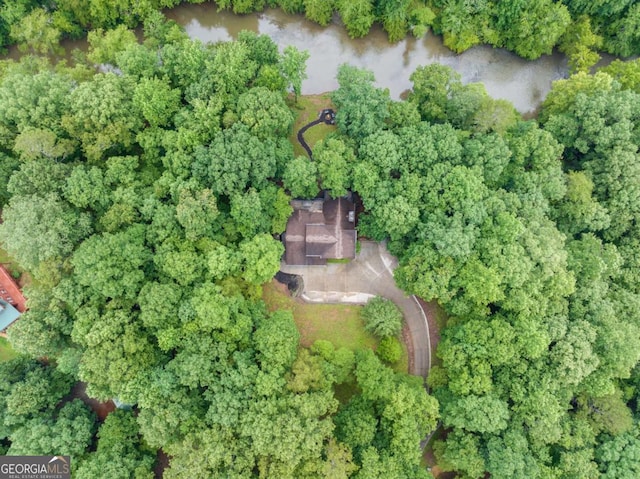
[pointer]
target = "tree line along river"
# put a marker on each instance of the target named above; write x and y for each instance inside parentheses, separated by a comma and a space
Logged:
(525, 83)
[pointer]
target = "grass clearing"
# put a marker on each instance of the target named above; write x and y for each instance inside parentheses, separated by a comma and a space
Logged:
(6, 351)
(338, 260)
(437, 319)
(307, 110)
(338, 323)
(402, 366)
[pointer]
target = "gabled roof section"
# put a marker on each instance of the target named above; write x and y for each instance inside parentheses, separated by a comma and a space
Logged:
(319, 230)
(10, 292)
(8, 314)
(320, 241)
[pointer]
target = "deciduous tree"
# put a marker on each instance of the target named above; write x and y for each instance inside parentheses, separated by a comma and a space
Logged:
(37, 229)
(111, 264)
(293, 68)
(334, 159)
(382, 317)
(362, 109)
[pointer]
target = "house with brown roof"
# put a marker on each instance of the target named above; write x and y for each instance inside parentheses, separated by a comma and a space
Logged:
(319, 230)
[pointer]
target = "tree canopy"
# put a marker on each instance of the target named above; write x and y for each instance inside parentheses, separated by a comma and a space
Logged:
(146, 198)
(530, 28)
(524, 233)
(146, 203)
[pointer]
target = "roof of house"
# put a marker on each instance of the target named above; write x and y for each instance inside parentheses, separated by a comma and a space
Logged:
(319, 230)
(8, 314)
(10, 292)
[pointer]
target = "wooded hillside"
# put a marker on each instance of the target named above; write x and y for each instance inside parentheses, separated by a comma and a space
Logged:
(145, 200)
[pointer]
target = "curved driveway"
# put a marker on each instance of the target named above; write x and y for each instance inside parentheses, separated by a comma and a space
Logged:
(370, 274)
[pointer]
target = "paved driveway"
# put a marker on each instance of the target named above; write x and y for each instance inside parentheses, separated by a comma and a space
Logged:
(369, 275)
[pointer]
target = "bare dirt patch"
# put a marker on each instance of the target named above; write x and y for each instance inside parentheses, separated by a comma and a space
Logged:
(436, 319)
(102, 409)
(408, 342)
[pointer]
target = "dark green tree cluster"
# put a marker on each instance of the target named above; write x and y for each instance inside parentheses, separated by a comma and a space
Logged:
(121, 453)
(398, 17)
(600, 220)
(527, 236)
(383, 319)
(36, 419)
(145, 202)
(530, 28)
(38, 25)
(617, 22)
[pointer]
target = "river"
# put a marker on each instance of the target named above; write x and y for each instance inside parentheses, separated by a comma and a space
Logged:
(505, 75)
(524, 83)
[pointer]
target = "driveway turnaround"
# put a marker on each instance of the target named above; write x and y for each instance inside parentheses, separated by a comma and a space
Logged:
(369, 275)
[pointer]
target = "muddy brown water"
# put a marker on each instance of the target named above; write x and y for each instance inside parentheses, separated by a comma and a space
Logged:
(524, 83)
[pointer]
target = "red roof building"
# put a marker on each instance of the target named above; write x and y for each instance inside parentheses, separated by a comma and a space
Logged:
(10, 292)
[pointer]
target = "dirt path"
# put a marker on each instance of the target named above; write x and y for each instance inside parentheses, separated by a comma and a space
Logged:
(369, 275)
(102, 409)
(434, 329)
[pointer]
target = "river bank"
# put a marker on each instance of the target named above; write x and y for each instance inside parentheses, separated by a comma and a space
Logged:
(524, 83)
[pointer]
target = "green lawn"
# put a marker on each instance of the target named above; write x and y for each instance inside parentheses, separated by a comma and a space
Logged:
(6, 351)
(338, 260)
(402, 366)
(437, 319)
(339, 323)
(307, 110)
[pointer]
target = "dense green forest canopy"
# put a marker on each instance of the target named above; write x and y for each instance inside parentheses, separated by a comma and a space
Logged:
(144, 201)
(529, 28)
(527, 233)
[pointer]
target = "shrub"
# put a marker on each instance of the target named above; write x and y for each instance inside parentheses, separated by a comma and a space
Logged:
(382, 317)
(389, 350)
